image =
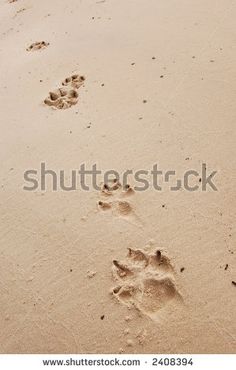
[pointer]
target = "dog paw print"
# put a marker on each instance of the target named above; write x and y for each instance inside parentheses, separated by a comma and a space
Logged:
(74, 81)
(145, 282)
(38, 46)
(67, 95)
(114, 198)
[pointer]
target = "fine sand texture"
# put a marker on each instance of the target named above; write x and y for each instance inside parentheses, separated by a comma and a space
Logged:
(124, 84)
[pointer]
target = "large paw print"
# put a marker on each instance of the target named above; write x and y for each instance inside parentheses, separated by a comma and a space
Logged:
(67, 95)
(145, 282)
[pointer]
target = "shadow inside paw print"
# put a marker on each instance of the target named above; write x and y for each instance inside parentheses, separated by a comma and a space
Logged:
(145, 282)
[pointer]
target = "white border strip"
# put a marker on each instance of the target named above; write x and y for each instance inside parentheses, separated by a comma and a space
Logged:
(194, 362)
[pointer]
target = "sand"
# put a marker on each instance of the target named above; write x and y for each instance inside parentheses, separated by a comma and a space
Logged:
(159, 88)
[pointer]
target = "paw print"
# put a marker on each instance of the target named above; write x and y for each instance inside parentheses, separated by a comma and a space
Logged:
(145, 282)
(115, 196)
(38, 45)
(75, 81)
(67, 95)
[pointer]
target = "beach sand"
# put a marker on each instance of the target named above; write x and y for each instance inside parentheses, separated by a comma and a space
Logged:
(159, 87)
